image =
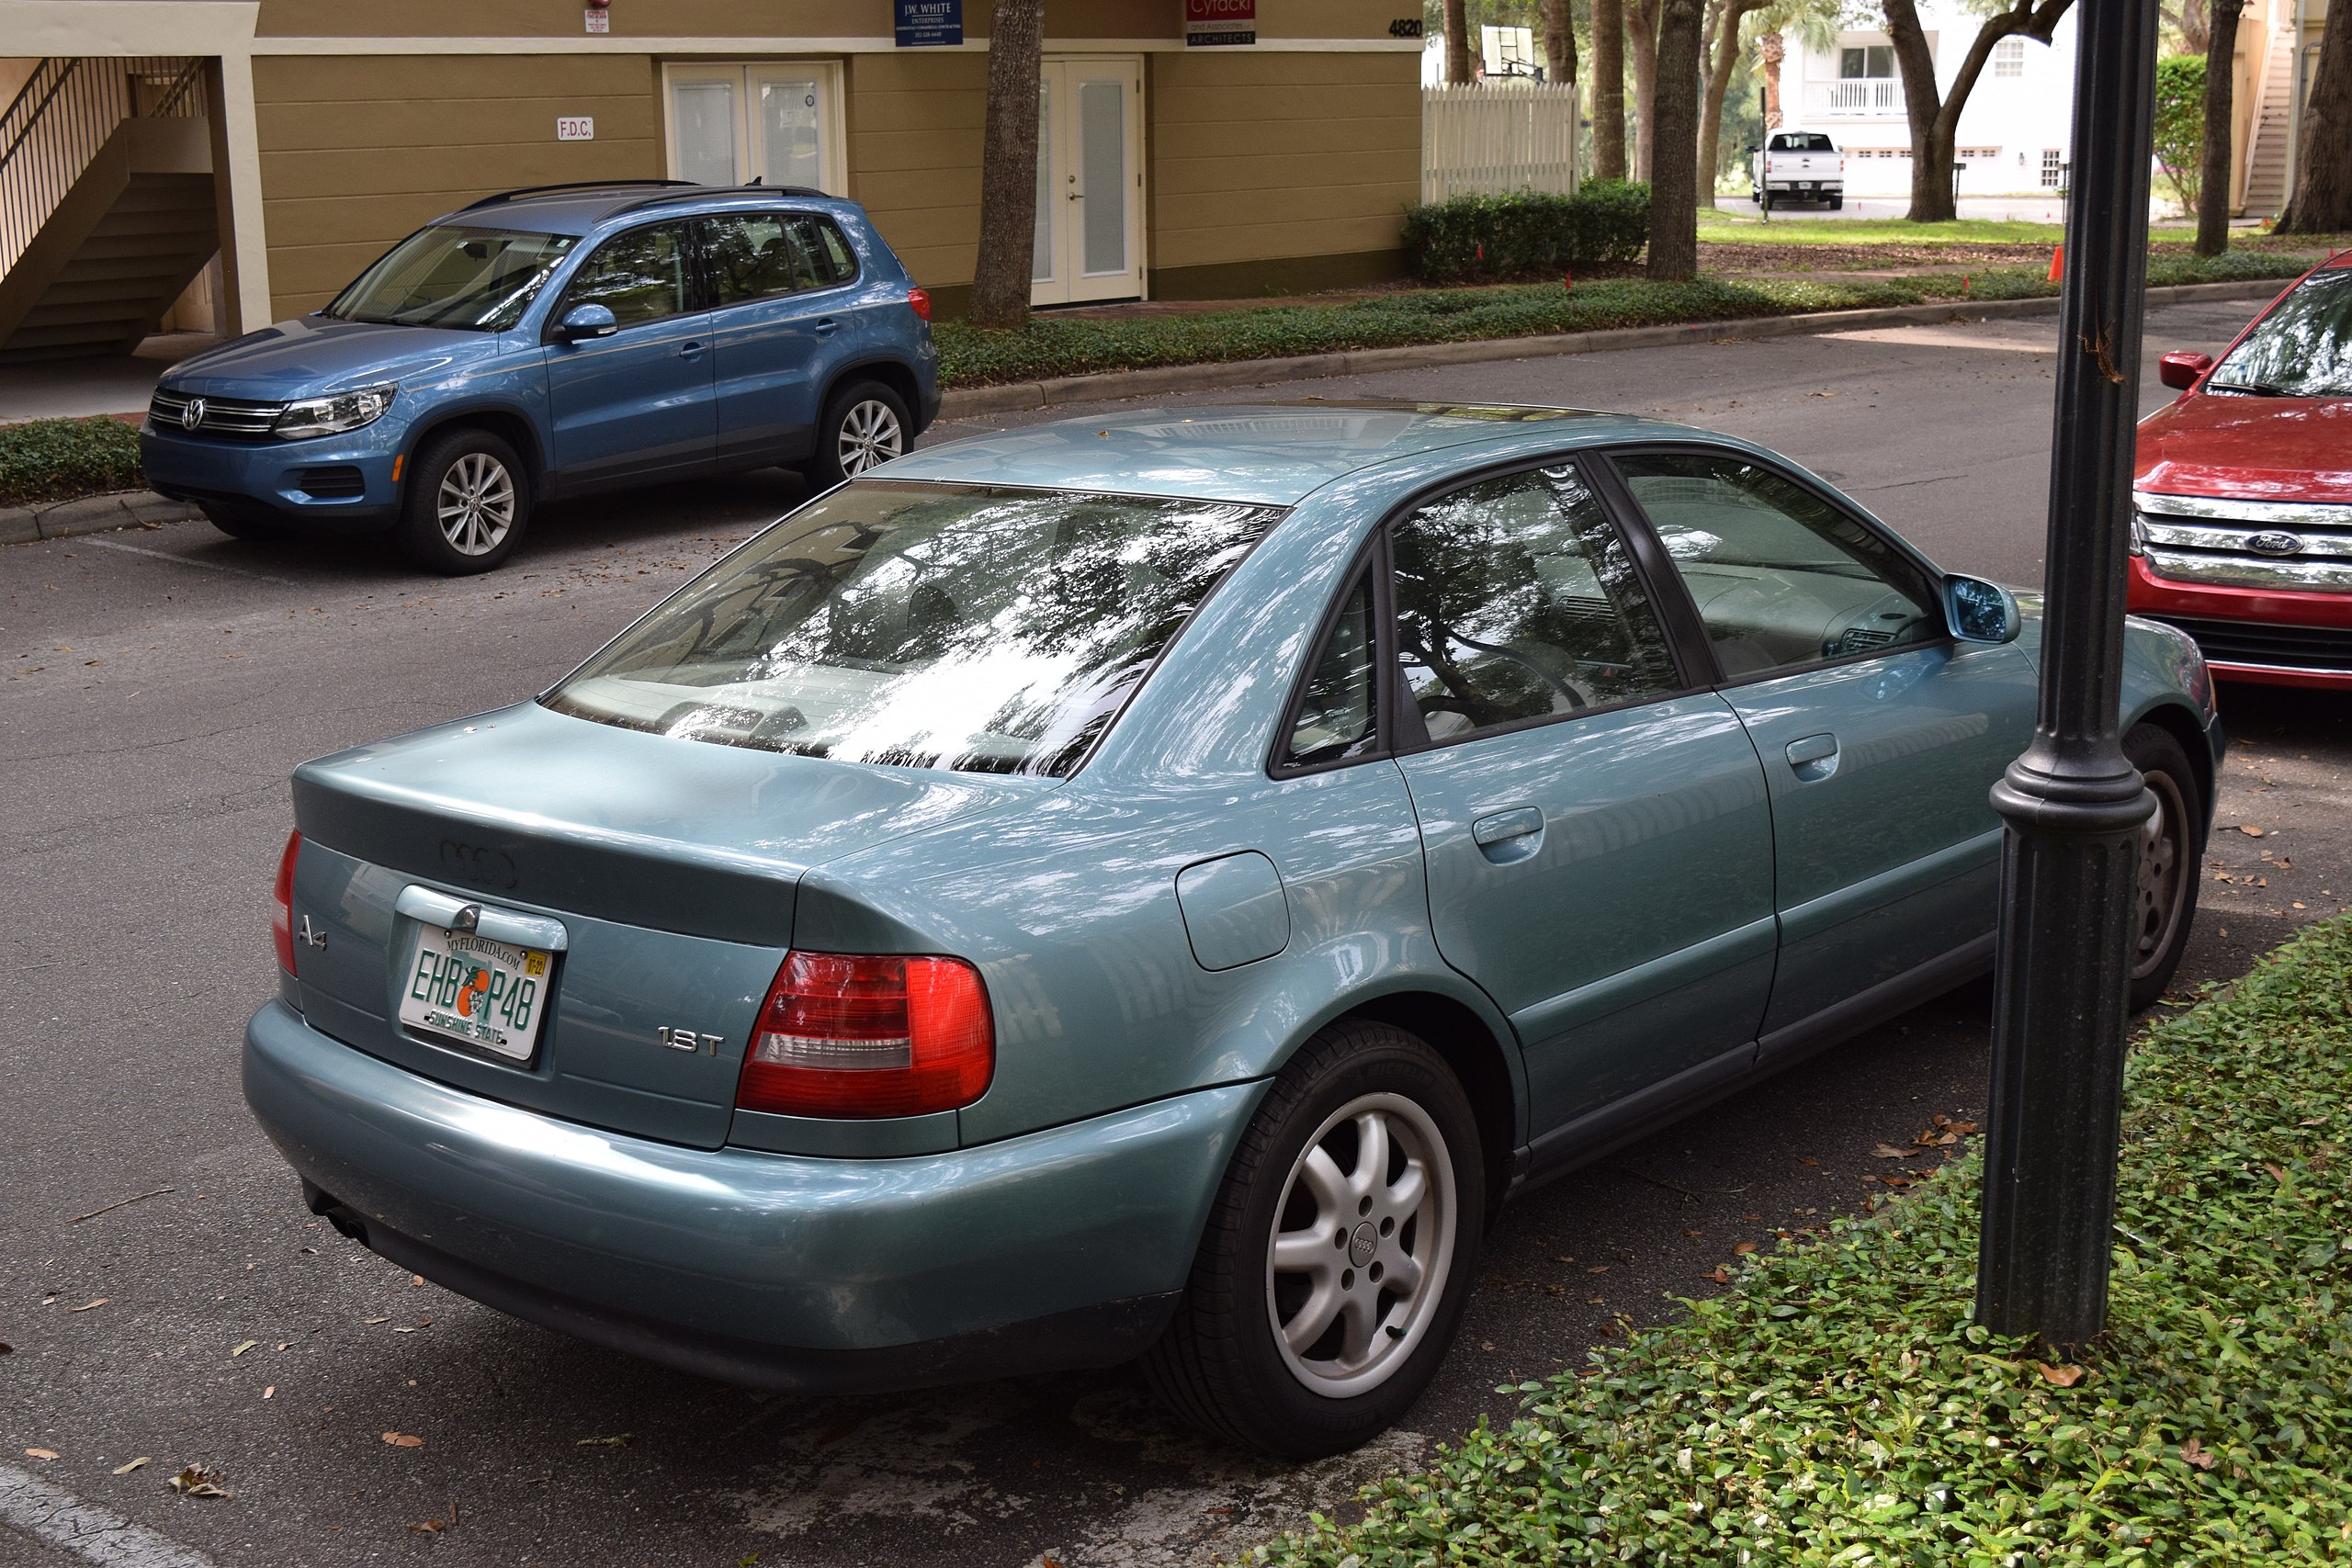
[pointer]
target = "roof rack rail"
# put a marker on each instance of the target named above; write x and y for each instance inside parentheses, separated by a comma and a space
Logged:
(508, 196)
(701, 193)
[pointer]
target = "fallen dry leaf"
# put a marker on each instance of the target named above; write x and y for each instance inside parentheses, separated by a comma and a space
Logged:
(2193, 1452)
(1802, 1160)
(85, 1306)
(134, 1464)
(193, 1482)
(402, 1441)
(1719, 1274)
(2249, 829)
(1743, 1249)
(1597, 1268)
(2276, 1174)
(414, 1279)
(1888, 1151)
(430, 1526)
(618, 1440)
(374, 1320)
(2063, 1377)
(242, 1348)
(270, 1393)
(40, 1453)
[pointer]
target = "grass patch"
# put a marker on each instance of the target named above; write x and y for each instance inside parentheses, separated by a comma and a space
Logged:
(1736, 227)
(1838, 1407)
(1075, 346)
(57, 459)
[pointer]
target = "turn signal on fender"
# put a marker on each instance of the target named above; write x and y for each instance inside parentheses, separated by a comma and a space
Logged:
(870, 1036)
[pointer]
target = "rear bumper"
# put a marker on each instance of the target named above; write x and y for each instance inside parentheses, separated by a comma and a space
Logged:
(2264, 637)
(332, 483)
(1059, 1248)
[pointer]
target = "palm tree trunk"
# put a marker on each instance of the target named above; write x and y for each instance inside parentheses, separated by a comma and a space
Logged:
(1607, 89)
(2221, 86)
(1009, 166)
(1674, 209)
(2323, 199)
(1457, 43)
(1770, 50)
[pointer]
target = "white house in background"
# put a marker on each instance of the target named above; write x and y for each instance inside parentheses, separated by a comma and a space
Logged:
(2015, 133)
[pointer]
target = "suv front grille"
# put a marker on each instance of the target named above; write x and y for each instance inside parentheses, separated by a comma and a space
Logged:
(230, 418)
(2246, 544)
(2321, 650)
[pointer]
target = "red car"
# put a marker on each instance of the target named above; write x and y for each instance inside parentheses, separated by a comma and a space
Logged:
(2242, 533)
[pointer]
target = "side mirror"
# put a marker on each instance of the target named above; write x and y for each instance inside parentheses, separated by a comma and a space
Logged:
(2182, 371)
(1978, 610)
(586, 321)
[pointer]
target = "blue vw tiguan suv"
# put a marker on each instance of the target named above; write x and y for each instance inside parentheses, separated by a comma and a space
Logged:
(549, 343)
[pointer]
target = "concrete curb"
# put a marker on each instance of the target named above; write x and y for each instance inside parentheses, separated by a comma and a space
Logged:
(1017, 396)
(90, 514)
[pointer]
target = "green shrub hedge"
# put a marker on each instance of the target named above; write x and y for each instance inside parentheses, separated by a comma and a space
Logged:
(56, 459)
(1838, 1408)
(1495, 239)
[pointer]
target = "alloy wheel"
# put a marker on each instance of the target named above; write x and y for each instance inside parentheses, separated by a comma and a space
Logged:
(870, 434)
(475, 507)
(1356, 1267)
(2163, 872)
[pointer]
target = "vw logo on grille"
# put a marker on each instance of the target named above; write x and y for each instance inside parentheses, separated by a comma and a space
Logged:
(2276, 544)
(192, 415)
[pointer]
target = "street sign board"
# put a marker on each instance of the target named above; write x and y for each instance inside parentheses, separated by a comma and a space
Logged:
(575, 127)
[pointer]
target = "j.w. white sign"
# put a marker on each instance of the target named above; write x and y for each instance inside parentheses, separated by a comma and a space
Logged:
(575, 127)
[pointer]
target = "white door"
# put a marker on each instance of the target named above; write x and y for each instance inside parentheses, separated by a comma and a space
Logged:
(1090, 182)
(774, 123)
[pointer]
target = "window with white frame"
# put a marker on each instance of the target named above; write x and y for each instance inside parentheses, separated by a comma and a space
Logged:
(778, 122)
(1865, 61)
(2054, 169)
(2008, 56)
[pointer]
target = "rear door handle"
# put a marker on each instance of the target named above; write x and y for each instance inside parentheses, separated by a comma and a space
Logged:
(1813, 758)
(692, 349)
(826, 326)
(1510, 835)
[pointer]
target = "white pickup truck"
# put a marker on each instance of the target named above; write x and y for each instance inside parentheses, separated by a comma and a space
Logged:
(1798, 165)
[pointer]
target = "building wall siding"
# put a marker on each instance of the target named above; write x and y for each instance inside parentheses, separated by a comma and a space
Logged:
(357, 151)
(915, 122)
(1258, 157)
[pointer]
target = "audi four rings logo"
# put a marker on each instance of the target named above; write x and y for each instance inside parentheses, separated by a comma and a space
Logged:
(2276, 544)
(192, 415)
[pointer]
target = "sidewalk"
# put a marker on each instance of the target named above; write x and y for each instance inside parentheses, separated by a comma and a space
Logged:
(70, 389)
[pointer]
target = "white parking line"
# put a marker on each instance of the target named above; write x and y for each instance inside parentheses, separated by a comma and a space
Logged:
(181, 561)
(91, 1533)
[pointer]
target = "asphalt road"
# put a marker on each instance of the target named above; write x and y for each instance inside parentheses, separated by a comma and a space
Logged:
(155, 689)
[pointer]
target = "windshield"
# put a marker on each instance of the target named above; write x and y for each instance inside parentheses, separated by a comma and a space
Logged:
(922, 625)
(482, 279)
(2302, 349)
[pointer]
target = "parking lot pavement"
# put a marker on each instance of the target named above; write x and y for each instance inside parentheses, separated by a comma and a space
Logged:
(156, 687)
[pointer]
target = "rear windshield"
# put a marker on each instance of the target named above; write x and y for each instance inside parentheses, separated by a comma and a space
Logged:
(482, 279)
(920, 626)
(1803, 141)
(2302, 349)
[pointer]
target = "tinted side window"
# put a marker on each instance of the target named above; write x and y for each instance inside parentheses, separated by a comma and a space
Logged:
(1334, 714)
(1781, 577)
(1516, 600)
(835, 260)
(752, 257)
(640, 275)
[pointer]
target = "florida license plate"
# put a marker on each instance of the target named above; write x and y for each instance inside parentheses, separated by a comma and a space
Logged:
(489, 995)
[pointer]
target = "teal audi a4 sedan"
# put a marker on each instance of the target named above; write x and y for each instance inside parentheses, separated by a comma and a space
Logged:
(1151, 888)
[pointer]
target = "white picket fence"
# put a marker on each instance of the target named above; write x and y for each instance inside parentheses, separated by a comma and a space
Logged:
(1499, 136)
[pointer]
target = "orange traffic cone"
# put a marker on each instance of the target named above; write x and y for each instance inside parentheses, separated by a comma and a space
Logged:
(2057, 264)
(1568, 280)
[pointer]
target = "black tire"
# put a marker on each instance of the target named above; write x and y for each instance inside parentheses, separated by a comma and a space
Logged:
(2165, 901)
(1224, 1363)
(243, 524)
(865, 423)
(465, 505)
(1837, 204)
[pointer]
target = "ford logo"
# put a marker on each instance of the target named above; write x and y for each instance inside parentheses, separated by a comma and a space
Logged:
(192, 415)
(2276, 544)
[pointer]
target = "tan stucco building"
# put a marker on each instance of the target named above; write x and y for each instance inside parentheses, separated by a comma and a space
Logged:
(1170, 170)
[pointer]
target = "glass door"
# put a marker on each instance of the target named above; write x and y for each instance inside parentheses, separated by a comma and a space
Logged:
(1090, 182)
(775, 123)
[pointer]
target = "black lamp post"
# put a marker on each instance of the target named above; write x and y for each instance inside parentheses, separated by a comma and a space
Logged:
(2075, 807)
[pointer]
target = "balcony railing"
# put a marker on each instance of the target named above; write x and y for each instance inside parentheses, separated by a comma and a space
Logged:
(1855, 96)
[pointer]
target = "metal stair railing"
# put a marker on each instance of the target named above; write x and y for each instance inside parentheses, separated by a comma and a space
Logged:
(63, 115)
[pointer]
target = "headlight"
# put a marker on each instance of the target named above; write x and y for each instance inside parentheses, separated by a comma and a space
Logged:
(335, 412)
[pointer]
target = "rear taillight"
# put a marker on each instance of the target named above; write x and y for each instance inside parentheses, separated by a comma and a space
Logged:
(856, 1035)
(919, 300)
(281, 910)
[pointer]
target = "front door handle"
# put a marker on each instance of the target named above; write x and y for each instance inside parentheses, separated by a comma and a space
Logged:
(1510, 835)
(1813, 758)
(826, 326)
(691, 349)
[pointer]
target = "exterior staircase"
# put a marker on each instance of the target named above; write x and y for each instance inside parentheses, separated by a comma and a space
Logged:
(2266, 153)
(106, 206)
